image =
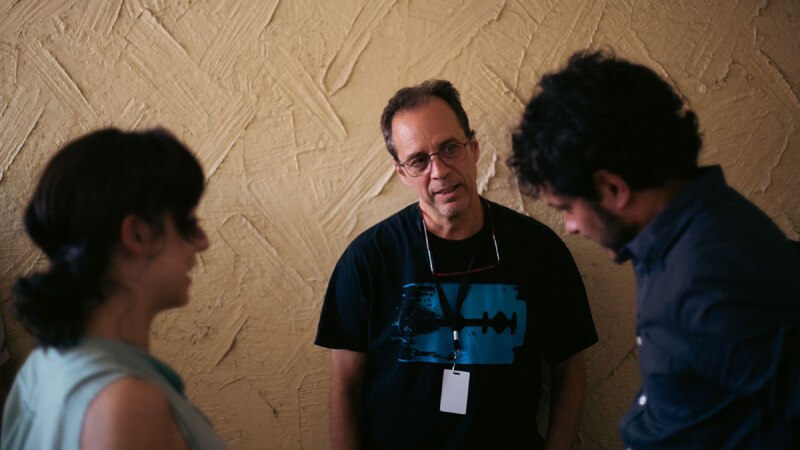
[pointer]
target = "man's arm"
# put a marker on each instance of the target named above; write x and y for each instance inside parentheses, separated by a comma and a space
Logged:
(347, 395)
(567, 394)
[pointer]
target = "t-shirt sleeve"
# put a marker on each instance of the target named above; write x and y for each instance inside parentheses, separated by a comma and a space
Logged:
(343, 321)
(568, 327)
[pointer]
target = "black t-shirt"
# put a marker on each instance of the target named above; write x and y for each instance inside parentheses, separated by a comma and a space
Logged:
(382, 300)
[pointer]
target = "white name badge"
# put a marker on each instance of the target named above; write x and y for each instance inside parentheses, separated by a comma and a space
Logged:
(455, 388)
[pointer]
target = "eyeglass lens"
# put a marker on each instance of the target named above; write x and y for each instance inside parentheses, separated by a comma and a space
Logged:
(453, 151)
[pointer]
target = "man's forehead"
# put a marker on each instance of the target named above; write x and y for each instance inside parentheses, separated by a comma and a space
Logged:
(428, 124)
(432, 106)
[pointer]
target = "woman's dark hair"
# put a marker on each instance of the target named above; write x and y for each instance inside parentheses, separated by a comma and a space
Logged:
(604, 113)
(412, 97)
(75, 216)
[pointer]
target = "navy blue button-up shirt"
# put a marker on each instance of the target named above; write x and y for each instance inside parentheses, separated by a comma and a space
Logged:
(718, 324)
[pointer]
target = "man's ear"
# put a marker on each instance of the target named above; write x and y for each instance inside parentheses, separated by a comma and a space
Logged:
(136, 236)
(615, 194)
(476, 147)
(401, 173)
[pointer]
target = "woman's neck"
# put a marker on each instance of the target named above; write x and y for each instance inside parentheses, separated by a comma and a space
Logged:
(121, 318)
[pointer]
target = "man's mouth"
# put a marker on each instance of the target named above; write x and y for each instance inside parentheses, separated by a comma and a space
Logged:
(446, 191)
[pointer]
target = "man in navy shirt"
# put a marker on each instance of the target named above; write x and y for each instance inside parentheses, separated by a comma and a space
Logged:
(613, 147)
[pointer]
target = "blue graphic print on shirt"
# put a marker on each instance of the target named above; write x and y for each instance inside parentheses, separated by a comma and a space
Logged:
(494, 324)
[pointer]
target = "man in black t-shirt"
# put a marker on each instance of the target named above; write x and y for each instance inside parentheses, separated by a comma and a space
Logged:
(438, 317)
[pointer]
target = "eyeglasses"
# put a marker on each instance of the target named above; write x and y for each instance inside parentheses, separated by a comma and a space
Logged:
(450, 152)
(470, 270)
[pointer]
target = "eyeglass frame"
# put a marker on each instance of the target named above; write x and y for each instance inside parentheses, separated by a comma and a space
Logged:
(430, 156)
(463, 272)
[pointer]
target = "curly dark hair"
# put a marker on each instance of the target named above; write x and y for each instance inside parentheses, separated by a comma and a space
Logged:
(75, 214)
(412, 97)
(603, 113)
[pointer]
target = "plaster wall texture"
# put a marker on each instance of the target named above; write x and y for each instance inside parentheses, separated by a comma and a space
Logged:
(280, 99)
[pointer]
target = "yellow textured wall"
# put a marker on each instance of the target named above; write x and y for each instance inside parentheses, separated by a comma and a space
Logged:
(281, 99)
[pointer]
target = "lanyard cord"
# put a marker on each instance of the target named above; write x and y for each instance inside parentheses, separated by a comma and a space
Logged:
(455, 316)
(456, 322)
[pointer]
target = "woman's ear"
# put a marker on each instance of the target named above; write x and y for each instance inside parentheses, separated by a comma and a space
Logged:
(615, 194)
(137, 236)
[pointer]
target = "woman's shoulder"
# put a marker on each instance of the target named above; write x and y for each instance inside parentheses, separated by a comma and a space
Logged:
(131, 412)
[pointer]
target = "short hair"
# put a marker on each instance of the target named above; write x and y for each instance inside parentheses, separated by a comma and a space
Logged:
(603, 113)
(412, 97)
(75, 216)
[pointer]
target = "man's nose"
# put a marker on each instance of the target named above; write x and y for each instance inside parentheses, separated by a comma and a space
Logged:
(439, 168)
(570, 226)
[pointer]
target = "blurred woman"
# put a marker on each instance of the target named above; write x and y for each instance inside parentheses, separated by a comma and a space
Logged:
(114, 213)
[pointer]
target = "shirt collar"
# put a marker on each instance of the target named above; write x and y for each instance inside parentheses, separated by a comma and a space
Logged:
(651, 243)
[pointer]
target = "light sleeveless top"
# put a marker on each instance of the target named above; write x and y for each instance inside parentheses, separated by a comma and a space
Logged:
(52, 391)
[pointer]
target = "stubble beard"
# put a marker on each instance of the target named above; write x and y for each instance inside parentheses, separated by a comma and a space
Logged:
(615, 233)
